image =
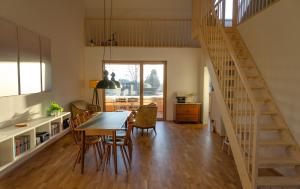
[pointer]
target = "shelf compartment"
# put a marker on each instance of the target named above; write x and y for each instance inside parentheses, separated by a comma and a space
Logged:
(6, 152)
(24, 143)
(42, 134)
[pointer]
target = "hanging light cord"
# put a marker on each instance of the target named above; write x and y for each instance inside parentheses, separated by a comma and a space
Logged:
(104, 30)
(110, 28)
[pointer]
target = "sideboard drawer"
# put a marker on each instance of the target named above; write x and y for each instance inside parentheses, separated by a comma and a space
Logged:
(187, 113)
(186, 109)
(187, 118)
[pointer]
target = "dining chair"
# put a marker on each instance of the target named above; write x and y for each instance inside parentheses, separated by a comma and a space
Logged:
(122, 143)
(94, 142)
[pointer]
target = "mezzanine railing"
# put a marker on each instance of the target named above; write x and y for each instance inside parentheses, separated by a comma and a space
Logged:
(140, 33)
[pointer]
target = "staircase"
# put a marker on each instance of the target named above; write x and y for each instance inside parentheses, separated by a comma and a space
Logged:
(265, 151)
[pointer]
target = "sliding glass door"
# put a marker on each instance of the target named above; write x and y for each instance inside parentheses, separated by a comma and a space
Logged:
(153, 86)
(133, 92)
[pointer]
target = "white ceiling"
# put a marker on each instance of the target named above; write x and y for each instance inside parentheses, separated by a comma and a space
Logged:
(141, 8)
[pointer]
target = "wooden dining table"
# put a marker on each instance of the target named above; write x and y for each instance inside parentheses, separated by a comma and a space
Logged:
(107, 121)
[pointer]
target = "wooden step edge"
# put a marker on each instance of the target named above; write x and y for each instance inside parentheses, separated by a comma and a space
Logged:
(267, 113)
(266, 128)
(257, 87)
(275, 143)
(235, 100)
(253, 77)
(245, 128)
(278, 181)
(277, 161)
(270, 143)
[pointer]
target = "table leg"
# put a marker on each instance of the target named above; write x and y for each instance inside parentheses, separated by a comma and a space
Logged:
(115, 153)
(82, 150)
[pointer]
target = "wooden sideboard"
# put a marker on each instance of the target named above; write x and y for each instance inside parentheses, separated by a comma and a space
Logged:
(187, 112)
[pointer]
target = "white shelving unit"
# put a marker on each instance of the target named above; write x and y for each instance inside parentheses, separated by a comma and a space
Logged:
(8, 158)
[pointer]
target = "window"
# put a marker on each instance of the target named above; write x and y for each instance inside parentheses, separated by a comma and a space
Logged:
(8, 59)
(25, 61)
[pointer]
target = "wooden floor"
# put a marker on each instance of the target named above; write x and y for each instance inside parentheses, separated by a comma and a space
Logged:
(178, 157)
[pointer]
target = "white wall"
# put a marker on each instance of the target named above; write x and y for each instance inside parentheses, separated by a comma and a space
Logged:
(61, 21)
(273, 39)
(184, 68)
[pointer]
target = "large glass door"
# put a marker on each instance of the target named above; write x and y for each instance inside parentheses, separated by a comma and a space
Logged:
(153, 86)
(133, 92)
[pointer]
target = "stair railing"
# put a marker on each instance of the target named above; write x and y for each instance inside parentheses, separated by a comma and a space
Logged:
(249, 8)
(237, 96)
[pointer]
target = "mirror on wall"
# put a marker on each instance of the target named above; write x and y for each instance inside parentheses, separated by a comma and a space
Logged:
(25, 60)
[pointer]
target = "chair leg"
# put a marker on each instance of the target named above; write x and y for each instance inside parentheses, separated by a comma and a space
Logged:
(77, 159)
(123, 157)
(142, 132)
(105, 156)
(127, 156)
(95, 156)
(108, 154)
(99, 150)
(154, 129)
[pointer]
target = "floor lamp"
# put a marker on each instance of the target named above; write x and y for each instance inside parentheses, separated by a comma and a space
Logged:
(93, 84)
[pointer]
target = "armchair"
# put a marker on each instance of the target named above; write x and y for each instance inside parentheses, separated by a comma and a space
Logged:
(145, 117)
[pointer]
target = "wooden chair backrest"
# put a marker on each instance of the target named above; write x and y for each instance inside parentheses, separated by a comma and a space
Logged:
(75, 133)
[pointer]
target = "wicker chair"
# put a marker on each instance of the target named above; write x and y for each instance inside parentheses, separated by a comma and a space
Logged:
(80, 106)
(145, 117)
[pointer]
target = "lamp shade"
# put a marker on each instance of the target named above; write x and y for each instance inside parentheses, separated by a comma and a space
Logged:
(105, 83)
(93, 83)
(117, 83)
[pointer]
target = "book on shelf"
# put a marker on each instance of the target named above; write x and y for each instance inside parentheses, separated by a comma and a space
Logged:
(22, 144)
(55, 128)
(41, 137)
(66, 123)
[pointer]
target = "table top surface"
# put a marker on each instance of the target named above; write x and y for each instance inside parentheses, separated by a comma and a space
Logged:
(106, 120)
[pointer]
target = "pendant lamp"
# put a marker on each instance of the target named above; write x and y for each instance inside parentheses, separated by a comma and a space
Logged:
(117, 83)
(105, 83)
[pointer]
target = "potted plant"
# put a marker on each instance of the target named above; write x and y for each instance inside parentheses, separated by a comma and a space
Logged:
(54, 109)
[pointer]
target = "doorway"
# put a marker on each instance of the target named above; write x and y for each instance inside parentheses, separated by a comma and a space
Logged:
(142, 83)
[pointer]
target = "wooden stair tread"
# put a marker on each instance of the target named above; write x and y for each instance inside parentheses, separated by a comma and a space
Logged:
(275, 161)
(257, 87)
(268, 113)
(258, 100)
(264, 113)
(267, 127)
(274, 142)
(253, 77)
(278, 181)
(270, 143)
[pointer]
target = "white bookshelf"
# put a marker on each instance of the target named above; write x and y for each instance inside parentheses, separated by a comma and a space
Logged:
(8, 158)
